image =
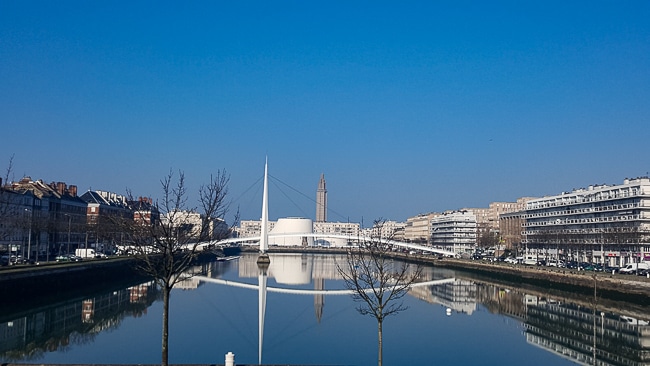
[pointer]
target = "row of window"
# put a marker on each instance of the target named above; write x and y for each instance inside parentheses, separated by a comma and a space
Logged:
(589, 220)
(600, 196)
(585, 210)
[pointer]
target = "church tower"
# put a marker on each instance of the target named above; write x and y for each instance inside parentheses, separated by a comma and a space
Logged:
(321, 200)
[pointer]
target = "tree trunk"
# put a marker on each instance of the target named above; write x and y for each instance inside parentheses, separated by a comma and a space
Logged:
(165, 326)
(380, 343)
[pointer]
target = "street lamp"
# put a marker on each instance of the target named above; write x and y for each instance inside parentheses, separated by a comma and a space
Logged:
(69, 222)
(557, 240)
(29, 236)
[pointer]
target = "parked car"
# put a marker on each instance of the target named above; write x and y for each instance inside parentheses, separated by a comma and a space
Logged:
(634, 268)
(643, 272)
(611, 269)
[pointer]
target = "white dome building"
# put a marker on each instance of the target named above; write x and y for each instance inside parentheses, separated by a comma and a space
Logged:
(286, 232)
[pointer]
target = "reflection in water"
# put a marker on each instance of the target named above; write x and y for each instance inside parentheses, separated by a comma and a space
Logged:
(582, 334)
(571, 328)
(77, 322)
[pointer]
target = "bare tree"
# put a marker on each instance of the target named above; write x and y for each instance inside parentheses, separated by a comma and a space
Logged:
(377, 281)
(165, 248)
(7, 209)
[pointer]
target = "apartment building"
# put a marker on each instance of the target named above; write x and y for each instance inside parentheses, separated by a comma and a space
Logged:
(337, 228)
(455, 231)
(509, 216)
(601, 223)
(51, 218)
(418, 228)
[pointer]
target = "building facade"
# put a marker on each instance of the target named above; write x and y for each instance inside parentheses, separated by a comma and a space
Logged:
(454, 231)
(418, 228)
(602, 224)
(54, 218)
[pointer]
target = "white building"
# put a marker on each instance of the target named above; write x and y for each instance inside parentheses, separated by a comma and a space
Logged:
(603, 224)
(287, 232)
(190, 224)
(348, 229)
(454, 231)
(418, 228)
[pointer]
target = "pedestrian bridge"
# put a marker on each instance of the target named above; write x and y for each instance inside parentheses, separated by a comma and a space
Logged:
(353, 241)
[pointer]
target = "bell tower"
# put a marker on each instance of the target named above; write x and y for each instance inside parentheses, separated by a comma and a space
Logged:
(321, 200)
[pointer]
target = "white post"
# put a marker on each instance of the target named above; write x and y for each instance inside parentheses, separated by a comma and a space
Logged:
(230, 359)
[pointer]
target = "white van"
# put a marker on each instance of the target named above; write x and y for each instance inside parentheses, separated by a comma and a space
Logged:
(530, 260)
(634, 267)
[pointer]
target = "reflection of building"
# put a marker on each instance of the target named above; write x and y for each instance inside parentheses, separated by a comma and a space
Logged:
(580, 334)
(296, 269)
(459, 295)
(73, 322)
(191, 282)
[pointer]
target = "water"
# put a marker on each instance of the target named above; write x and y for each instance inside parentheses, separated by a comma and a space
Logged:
(488, 324)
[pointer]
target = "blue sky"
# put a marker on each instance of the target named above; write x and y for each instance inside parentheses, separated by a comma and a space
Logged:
(406, 108)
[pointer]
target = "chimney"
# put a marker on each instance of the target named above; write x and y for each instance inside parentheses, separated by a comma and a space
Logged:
(72, 190)
(60, 187)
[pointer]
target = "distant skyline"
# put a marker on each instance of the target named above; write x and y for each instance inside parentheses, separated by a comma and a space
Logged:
(406, 109)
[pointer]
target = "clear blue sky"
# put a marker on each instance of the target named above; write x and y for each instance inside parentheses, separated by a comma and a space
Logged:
(406, 108)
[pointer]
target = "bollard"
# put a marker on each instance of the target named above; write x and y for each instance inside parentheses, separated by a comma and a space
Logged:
(613, 271)
(230, 359)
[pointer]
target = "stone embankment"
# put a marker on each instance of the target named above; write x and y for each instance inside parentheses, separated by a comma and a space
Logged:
(608, 284)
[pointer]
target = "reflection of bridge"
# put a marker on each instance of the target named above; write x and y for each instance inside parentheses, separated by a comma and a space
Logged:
(310, 292)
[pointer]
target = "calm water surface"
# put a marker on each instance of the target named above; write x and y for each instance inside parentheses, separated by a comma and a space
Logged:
(464, 322)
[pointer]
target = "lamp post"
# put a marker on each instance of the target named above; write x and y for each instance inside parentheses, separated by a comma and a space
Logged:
(557, 240)
(29, 236)
(69, 223)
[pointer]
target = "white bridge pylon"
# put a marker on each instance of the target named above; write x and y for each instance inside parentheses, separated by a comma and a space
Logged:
(311, 292)
(254, 240)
